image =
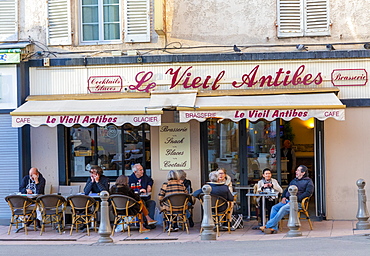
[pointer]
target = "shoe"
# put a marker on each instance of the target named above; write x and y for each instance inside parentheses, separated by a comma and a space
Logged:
(144, 230)
(38, 223)
(262, 228)
(270, 231)
(172, 229)
(153, 222)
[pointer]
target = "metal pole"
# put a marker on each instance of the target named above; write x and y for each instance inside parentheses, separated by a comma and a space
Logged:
(362, 213)
(105, 229)
(293, 223)
(207, 222)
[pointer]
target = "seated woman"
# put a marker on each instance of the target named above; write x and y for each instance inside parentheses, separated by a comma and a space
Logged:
(172, 186)
(267, 184)
(187, 184)
(122, 188)
(224, 178)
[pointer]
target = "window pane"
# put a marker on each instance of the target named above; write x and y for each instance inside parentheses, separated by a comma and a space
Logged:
(111, 32)
(90, 2)
(111, 2)
(223, 147)
(109, 149)
(111, 13)
(90, 15)
(82, 150)
(90, 32)
(261, 145)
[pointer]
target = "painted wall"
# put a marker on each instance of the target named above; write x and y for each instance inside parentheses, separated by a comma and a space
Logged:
(347, 160)
(209, 22)
(44, 154)
(194, 174)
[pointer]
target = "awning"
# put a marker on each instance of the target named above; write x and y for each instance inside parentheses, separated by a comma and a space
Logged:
(86, 112)
(269, 107)
(172, 99)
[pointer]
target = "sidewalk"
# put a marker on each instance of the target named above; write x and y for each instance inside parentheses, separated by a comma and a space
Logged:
(322, 229)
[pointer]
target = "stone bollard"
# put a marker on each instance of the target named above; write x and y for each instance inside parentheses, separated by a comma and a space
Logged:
(362, 213)
(293, 223)
(105, 229)
(207, 222)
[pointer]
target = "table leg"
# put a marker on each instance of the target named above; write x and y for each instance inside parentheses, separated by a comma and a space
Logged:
(263, 211)
(249, 208)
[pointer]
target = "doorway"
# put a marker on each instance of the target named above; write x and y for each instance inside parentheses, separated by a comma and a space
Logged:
(245, 148)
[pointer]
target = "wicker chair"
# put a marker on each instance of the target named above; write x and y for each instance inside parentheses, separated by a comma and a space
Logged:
(52, 209)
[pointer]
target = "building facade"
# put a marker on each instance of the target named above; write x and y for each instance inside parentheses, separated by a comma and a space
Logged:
(195, 86)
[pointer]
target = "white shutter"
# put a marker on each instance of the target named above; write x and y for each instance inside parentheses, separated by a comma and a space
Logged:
(59, 22)
(317, 18)
(8, 20)
(137, 21)
(290, 22)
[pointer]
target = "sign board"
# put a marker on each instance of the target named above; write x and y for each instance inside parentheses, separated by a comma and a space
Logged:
(174, 143)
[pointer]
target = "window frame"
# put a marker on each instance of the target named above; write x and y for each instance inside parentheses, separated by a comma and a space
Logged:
(101, 25)
(303, 18)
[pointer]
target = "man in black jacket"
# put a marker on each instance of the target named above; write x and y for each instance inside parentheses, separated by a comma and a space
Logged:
(305, 189)
(34, 183)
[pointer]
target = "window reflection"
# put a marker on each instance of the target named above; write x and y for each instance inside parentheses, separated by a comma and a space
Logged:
(223, 147)
(105, 146)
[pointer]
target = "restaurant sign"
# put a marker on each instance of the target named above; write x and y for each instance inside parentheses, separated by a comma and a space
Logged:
(269, 115)
(104, 84)
(349, 77)
(86, 120)
(174, 140)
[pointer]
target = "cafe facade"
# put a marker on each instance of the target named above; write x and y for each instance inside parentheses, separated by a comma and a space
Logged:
(201, 112)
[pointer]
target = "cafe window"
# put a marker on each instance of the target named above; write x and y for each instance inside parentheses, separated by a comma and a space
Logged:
(114, 148)
(223, 147)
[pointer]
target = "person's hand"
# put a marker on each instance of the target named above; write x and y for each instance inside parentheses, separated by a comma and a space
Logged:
(35, 177)
(143, 190)
(97, 178)
(29, 191)
(283, 200)
(92, 178)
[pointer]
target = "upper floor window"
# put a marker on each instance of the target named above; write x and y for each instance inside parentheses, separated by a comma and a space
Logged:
(100, 20)
(297, 18)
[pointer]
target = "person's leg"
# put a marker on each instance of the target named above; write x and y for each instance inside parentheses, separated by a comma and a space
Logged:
(269, 205)
(150, 205)
(278, 211)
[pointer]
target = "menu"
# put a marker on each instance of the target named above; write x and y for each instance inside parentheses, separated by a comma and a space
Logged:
(174, 141)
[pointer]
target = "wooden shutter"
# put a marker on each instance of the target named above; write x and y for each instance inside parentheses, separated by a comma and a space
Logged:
(59, 22)
(317, 18)
(8, 20)
(137, 20)
(290, 22)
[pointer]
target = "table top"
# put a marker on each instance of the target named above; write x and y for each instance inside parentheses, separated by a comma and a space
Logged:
(263, 194)
(243, 187)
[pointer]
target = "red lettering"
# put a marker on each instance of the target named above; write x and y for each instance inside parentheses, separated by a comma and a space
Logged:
(140, 82)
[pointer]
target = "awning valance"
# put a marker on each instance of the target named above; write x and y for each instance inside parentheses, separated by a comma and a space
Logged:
(86, 112)
(269, 107)
(172, 99)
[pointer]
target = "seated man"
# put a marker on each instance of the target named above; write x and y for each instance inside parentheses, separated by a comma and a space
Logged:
(305, 189)
(97, 182)
(33, 183)
(138, 176)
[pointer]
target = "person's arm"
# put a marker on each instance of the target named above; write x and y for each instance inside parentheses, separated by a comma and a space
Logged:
(259, 186)
(229, 196)
(308, 192)
(22, 187)
(40, 186)
(276, 186)
(284, 196)
(103, 183)
(162, 192)
(88, 186)
(197, 193)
